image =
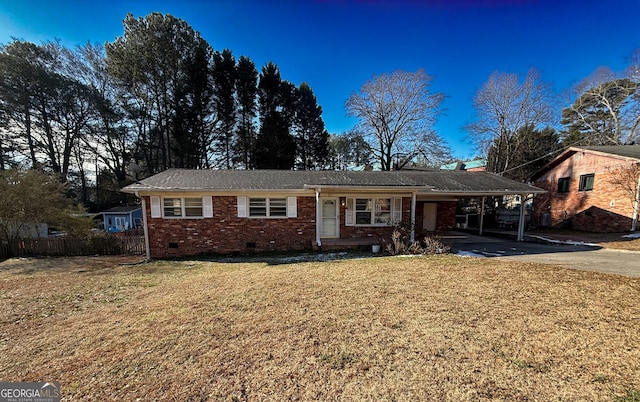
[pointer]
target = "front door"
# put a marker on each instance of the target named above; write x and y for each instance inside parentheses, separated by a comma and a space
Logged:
(329, 220)
(429, 217)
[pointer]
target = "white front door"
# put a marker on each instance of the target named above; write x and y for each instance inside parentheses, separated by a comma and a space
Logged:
(429, 217)
(329, 217)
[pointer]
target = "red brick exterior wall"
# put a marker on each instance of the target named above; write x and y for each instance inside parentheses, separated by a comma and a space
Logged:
(606, 208)
(445, 220)
(446, 215)
(226, 233)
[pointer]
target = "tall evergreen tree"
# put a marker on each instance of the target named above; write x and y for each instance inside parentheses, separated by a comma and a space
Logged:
(224, 79)
(530, 149)
(597, 116)
(310, 134)
(275, 146)
(246, 91)
(162, 63)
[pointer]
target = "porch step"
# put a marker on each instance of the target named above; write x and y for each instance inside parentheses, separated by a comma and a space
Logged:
(335, 244)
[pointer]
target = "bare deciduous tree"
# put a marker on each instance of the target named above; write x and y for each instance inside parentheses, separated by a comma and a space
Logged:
(504, 105)
(396, 114)
(633, 73)
(628, 180)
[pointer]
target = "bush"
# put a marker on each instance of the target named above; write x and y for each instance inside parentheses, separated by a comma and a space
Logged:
(399, 244)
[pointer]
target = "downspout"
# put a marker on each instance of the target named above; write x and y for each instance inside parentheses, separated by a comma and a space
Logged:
(481, 216)
(412, 235)
(521, 221)
(144, 228)
(636, 208)
(318, 242)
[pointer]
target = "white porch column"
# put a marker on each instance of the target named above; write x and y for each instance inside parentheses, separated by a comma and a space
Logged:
(481, 216)
(412, 235)
(318, 217)
(523, 208)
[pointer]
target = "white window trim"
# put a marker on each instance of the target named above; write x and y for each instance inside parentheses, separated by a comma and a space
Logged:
(350, 213)
(157, 207)
(244, 210)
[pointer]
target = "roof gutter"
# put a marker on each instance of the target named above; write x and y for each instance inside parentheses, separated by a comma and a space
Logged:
(484, 193)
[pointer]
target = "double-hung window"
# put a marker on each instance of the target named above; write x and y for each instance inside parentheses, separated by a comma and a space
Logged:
(373, 211)
(586, 182)
(179, 207)
(268, 207)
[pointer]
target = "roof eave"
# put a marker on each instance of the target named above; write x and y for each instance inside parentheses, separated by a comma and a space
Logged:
(483, 193)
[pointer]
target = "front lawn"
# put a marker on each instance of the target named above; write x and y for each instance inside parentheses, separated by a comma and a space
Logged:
(386, 328)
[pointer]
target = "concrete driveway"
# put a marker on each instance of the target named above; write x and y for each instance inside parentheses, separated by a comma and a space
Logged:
(570, 256)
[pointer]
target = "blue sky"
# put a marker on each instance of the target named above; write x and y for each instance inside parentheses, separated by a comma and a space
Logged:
(337, 45)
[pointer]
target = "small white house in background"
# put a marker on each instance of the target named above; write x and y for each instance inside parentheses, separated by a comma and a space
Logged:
(119, 219)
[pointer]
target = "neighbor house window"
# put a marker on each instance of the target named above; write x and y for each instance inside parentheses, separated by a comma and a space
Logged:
(586, 182)
(563, 185)
(182, 207)
(373, 211)
(268, 207)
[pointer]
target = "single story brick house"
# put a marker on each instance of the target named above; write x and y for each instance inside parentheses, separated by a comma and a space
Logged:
(191, 212)
(585, 191)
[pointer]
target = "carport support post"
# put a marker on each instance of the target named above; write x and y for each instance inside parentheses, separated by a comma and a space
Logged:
(521, 221)
(481, 215)
(636, 208)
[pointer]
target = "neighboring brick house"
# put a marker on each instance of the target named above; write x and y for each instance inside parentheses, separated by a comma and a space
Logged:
(582, 189)
(191, 212)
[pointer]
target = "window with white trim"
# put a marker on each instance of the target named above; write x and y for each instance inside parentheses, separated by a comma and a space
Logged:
(268, 207)
(182, 207)
(373, 211)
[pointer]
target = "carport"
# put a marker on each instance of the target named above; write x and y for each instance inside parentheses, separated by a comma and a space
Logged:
(453, 187)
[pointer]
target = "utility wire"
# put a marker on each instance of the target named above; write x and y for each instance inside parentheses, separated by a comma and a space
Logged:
(542, 157)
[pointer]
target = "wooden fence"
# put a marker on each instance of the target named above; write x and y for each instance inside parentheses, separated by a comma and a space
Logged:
(72, 246)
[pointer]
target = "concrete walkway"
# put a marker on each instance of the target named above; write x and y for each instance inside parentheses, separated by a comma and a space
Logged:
(590, 258)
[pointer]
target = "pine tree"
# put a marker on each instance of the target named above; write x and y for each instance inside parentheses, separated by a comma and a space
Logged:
(224, 78)
(310, 134)
(246, 92)
(275, 147)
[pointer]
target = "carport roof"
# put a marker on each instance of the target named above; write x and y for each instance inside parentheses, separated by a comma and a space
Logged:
(440, 182)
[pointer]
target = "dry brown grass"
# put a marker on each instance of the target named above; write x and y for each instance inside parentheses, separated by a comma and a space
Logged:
(622, 244)
(606, 240)
(388, 328)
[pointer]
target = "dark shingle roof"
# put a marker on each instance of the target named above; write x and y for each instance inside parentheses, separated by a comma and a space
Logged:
(628, 151)
(625, 151)
(260, 180)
